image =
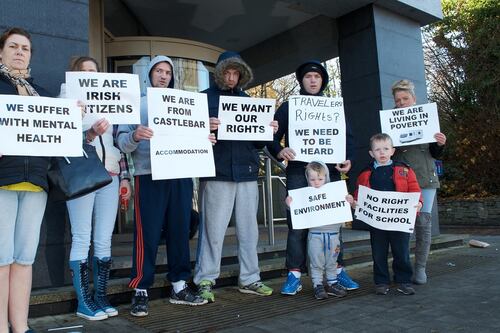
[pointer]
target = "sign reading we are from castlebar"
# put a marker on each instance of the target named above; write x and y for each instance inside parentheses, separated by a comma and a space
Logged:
(40, 126)
(412, 125)
(316, 207)
(387, 210)
(316, 128)
(114, 96)
(179, 147)
(245, 119)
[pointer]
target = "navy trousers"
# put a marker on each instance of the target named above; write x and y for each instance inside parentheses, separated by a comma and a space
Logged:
(161, 206)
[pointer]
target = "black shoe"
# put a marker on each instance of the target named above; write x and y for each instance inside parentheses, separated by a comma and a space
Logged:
(319, 292)
(139, 304)
(381, 289)
(336, 290)
(186, 297)
(406, 289)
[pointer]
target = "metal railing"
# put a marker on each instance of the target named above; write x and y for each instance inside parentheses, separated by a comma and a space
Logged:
(267, 191)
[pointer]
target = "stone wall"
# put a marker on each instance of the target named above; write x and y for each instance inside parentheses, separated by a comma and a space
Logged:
(478, 212)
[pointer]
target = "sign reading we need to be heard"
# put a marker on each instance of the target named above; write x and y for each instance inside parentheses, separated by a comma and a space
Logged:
(316, 128)
(40, 126)
(245, 119)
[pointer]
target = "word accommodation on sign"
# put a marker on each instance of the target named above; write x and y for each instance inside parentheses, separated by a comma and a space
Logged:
(114, 96)
(180, 145)
(416, 124)
(315, 207)
(245, 119)
(40, 126)
(316, 128)
(387, 210)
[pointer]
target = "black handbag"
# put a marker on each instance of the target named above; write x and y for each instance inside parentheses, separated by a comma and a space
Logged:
(73, 177)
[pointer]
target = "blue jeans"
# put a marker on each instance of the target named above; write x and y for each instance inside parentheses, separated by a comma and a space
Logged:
(102, 205)
(20, 221)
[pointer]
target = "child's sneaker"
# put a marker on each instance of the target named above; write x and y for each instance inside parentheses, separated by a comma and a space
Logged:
(205, 291)
(139, 305)
(319, 292)
(256, 288)
(345, 281)
(336, 290)
(186, 297)
(406, 289)
(292, 285)
(381, 289)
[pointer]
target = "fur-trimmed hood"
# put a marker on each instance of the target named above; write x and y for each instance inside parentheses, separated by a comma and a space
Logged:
(232, 60)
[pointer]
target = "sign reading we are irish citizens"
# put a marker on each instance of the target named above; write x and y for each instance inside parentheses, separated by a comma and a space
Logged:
(315, 207)
(387, 210)
(245, 119)
(114, 96)
(40, 126)
(179, 147)
(316, 128)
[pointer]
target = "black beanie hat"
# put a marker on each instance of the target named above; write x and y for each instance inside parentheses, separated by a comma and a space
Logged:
(312, 66)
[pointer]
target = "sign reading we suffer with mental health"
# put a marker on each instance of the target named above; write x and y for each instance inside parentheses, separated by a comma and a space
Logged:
(245, 119)
(114, 96)
(315, 207)
(316, 128)
(387, 210)
(179, 147)
(40, 126)
(412, 125)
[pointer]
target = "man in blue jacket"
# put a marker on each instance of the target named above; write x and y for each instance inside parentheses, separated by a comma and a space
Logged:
(234, 187)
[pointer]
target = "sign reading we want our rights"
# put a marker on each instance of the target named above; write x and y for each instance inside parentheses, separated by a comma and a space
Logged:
(316, 128)
(179, 147)
(40, 126)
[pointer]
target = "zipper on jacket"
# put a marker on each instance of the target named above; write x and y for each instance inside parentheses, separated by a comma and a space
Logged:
(26, 169)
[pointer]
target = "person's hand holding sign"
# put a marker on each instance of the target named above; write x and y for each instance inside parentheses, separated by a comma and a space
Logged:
(99, 128)
(440, 138)
(419, 206)
(274, 125)
(344, 166)
(214, 123)
(287, 154)
(142, 133)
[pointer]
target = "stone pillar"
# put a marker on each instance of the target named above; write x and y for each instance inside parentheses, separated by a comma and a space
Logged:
(376, 48)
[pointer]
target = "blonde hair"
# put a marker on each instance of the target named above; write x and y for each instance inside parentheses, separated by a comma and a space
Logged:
(403, 85)
(318, 167)
(380, 137)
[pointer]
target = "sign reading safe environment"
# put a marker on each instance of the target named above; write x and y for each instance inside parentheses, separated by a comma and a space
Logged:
(40, 126)
(245, 119)
(114, 96)
(384, 210)
(179, 147)
(316, 128)
(315, 207)
(412, 125)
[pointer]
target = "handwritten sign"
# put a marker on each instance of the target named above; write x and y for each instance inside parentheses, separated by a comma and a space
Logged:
(114, 96)
(385, 210)
(317, 128)
(315, 207)
(412, 125)
(180, 147)
(245, 119)
(40, 126)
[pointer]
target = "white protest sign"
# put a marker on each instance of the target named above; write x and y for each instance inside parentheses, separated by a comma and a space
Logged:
(315, 207)
(412, 125)
(245, 119)
(316, 128)
(179, 147)
(393, 211)
(114, 96)
(40, 126)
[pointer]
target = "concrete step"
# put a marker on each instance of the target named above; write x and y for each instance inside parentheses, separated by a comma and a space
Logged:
(50, 301)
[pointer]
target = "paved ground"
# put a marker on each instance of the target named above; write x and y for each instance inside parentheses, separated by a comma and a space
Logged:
(463, 295)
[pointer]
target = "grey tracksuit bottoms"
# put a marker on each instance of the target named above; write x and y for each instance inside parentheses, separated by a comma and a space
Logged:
(323, 249)
(218, 199)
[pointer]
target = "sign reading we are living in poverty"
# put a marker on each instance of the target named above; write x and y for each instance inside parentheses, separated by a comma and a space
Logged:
(179, 147)
(245, 119)
(114, 96)
(316, 128)
(315, 207)
(40, 126)
(385, 210)
(412, 125)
